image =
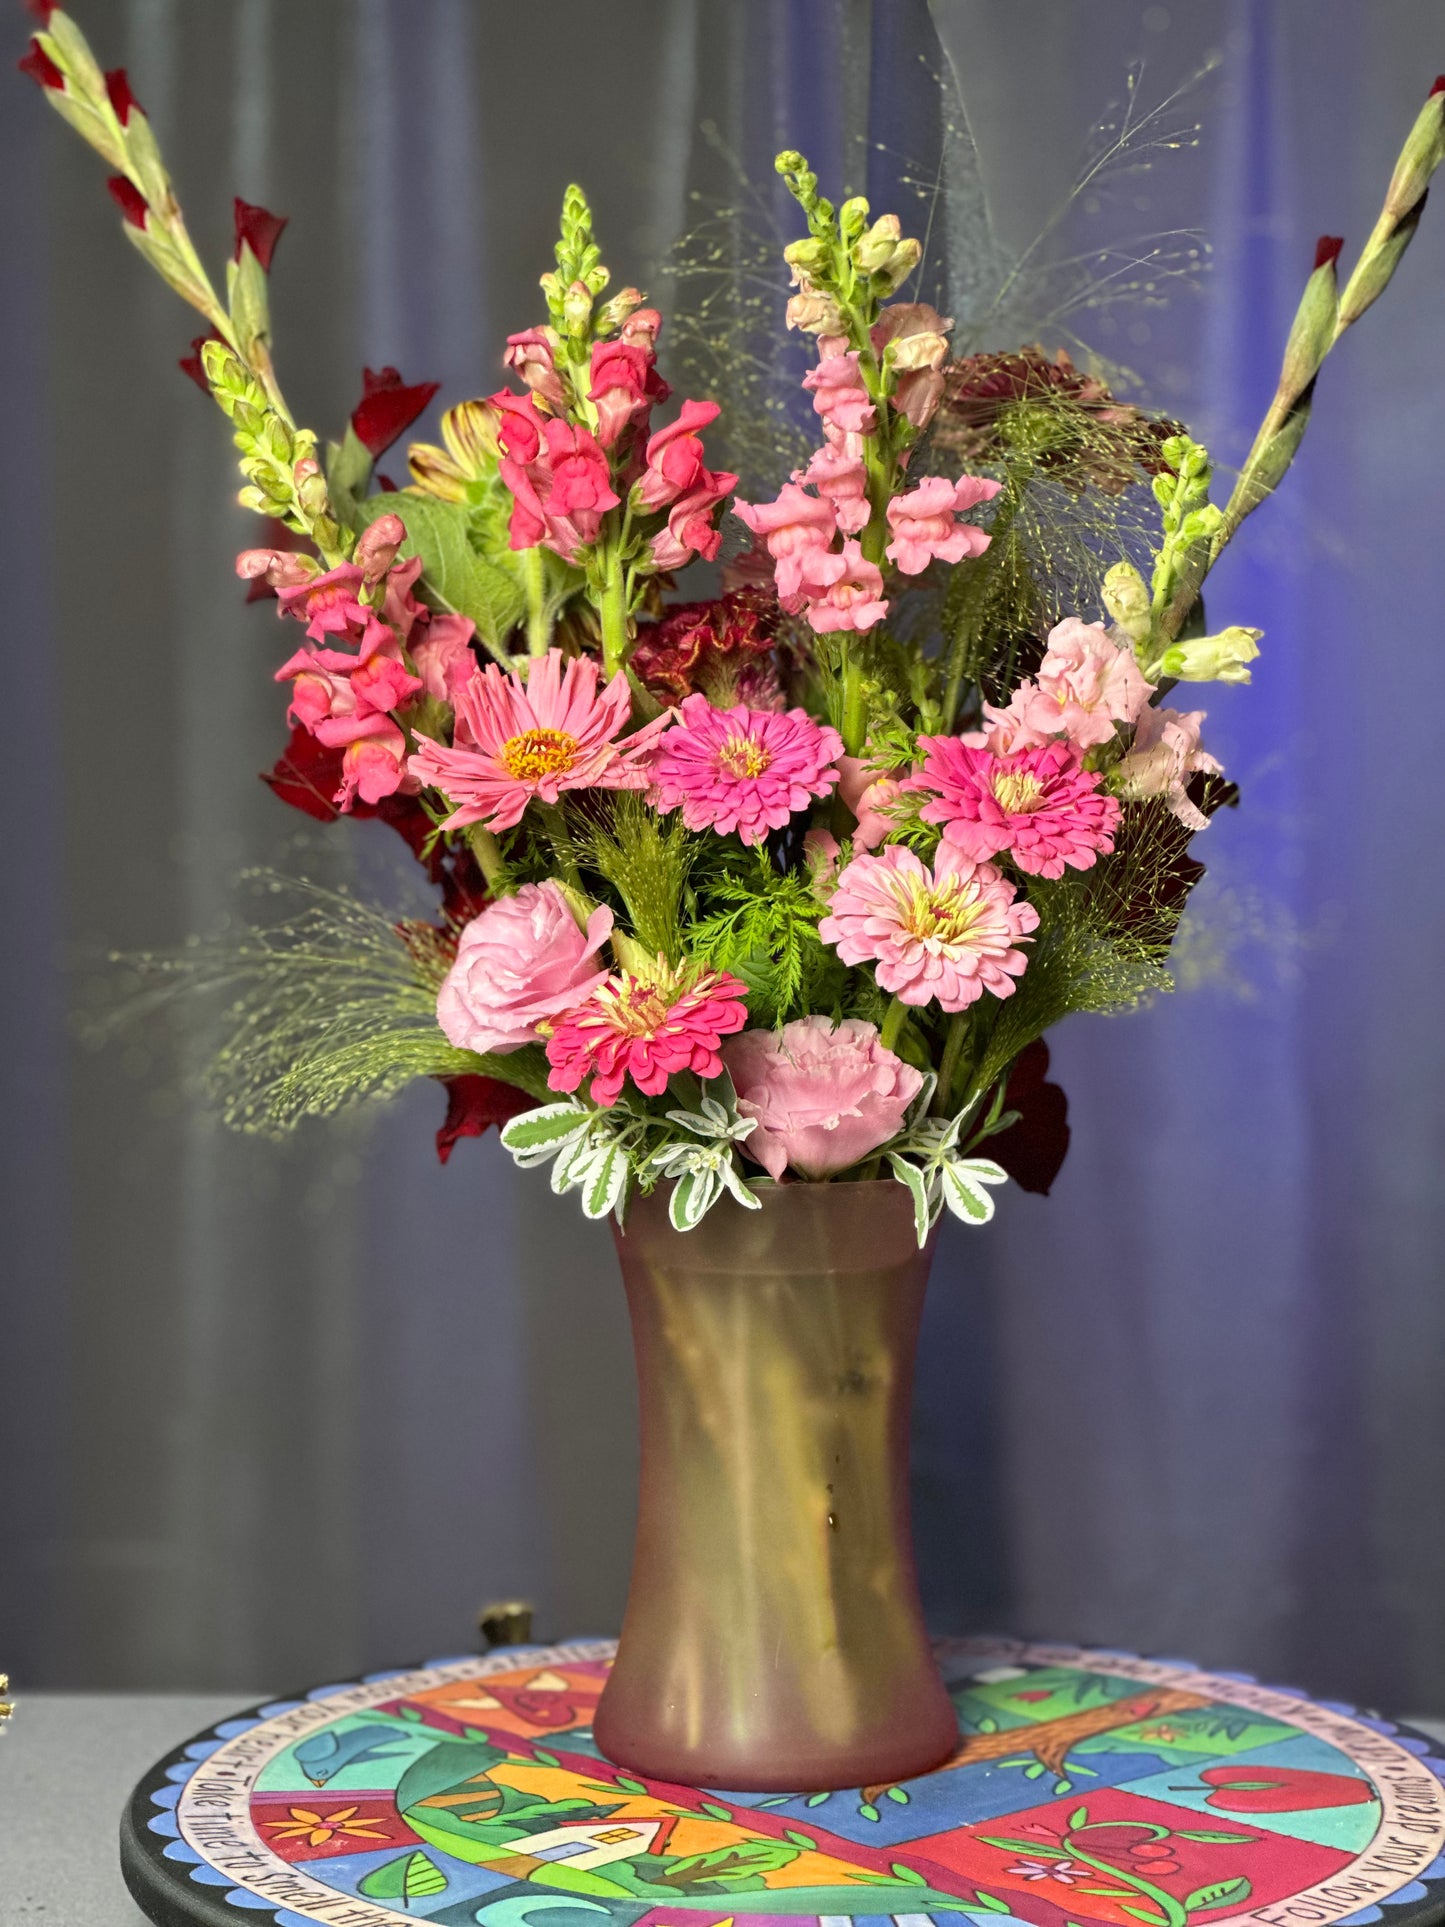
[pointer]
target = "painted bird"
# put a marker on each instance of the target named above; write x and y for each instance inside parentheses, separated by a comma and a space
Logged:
(323, 1756)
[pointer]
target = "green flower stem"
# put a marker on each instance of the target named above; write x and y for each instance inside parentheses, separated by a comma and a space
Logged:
(534, 579)
(893, 1021)
(612, 607)
(1173, 1913)
(485, 848)
(855, 709)
(952, 1048)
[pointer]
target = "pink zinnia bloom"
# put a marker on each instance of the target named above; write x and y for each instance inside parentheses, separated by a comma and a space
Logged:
(825, 1095)
(646, 1028)
(839, 396)
(675, 462)
(513, 744)
(838, 474)
(1164, 755)
(796, 526)
(1040, 805)
(944, 935)
(1084, 686)
(520, 962)
(844, 591)
(742, 769)
(925, 522)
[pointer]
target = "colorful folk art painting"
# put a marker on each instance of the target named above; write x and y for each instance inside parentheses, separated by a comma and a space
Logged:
(1085, 1787)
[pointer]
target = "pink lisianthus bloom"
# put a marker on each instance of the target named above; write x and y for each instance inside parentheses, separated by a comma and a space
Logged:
(925, 522)
(675, 463)
(690, 528)
(1164, 755)
(838, 474)
(533, 356)
(844, 591)
(868, 796)
(825, 1096)
(1085, 685)
(944, 935)
(328, 604)
(624, 386)
(1040, 805)
(521, 962)
(444, 658)
(794, 527)
(742, 769)
(836, 385)
(514, 743)
(647, 1028)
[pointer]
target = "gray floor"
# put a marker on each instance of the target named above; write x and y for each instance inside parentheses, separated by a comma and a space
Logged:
(45, 1801)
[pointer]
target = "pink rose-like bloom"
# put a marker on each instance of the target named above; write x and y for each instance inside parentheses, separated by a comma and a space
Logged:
(844, 591)
(794, 527)
(533, 356)
(824, 1096)
(675, 463)
(522, 961)
(1084, 686)
(838, 474)
(645, 1028)
(925, 522)
(513, 744)
(839, 396)
(868, 797)
(742, 769)
(1164, 755)
(944, 935)
(1040, 805)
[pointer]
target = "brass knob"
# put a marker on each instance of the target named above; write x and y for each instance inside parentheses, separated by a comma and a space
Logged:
(506, 1622)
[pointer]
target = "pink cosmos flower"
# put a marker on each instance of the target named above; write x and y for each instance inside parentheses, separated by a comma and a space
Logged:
(845, 591)
(1084, 686)
(675, 463)
(533, 355)
(742, 769)
(838, 474)
(925, 522)
(522, 961)
(943, 935)
(824, 1095)
(1164, 755)
(646, 1028)
(868, 796)
(839, 395)
(513, 744)
(1040, 805)
(795, 526)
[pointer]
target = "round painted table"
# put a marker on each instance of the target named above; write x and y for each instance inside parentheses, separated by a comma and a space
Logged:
(1087, 1787)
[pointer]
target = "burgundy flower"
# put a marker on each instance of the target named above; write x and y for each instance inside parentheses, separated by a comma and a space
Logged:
(258, 230)
(41, 68)
(122, 100)
(387, 408)
(191, 365)
(1033, 1150)
(722, 650)
(129, 199)
(474, 1104)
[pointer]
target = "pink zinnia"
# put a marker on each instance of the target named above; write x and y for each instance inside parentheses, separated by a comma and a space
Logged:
(742, 769)
(646, 1028)
(844, 591)
(943, 935)
(513, 744)
(925, 522)
(1040, 805)
(1085, 685)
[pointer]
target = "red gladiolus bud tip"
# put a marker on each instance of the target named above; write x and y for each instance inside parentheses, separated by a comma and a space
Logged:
(1438, 88)
(259, 230)
(1327, 250)
(42, 9)
(41, 68)
(117, 85)
(129, 199)
(191, 364)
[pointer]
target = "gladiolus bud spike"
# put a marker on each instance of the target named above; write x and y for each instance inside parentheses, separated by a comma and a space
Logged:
(1327, 249)
(122, 100)
(259, 230)
(41, 68)
(129, 199)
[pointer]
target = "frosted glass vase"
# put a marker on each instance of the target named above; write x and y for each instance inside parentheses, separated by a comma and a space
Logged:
(773, 1636)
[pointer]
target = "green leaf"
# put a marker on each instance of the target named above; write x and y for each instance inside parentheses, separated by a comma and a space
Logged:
(1220, 1893)
(547, 1759)
(634, 1786)
(990, 1902)
(910, 1876)
(1061, 1787)
(415, 1876)
(707, 1806)
(910, 1175)
(409, 1713)
(603, 1190)
(964, 1197)
(1222, 1839)
(800, 1839)
(897, 1793)
(454, 576)
(1079, 1817)
(817, 1799)
(1036, 1771)
(545, 1130)
(869, 1812)
(1033, 1848)
(988, 1725)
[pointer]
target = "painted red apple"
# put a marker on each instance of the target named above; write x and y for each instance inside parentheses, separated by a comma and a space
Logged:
(1281, 1789)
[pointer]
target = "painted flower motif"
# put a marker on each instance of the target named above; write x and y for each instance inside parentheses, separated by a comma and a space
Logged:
(943, 935)
(316, 1828)
(1041, 805)
(646, 1028)
(742, 769)
(520, 962)
(1066, 1872)
(1085, 686)
(845, 590)
(824, 1095)
(513, 743)
(925, 522)
(1164, 755)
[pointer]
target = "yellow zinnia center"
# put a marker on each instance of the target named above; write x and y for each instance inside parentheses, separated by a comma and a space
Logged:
(537, 753)
(947, 913)
(1017, 791)
(741, 756)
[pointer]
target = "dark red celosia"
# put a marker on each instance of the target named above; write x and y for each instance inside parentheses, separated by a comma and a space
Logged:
(41, 68)
(122, 100)
(387, 408)
(259, 230)
(718, 649)
(129, 199)
(1327, 250)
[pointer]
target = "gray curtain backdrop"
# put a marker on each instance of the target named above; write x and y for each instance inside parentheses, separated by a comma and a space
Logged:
(278, 1413)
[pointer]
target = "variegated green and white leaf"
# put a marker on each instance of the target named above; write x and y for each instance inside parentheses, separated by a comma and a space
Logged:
(606, 1183)
(540, 1134)
(733, 1178)
(964, 1192)
(574, 1162)
(918, 1187)
(692, 1197)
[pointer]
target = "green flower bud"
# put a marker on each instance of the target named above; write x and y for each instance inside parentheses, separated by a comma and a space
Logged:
(1220, 658)
(873, 250)
(577, 309)
(1126, 597)
(810, 257)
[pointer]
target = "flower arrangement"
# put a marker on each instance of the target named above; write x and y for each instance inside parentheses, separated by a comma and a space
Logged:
(784, 883)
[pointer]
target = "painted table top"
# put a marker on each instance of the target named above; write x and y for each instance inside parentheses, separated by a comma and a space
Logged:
(1087, 1787)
